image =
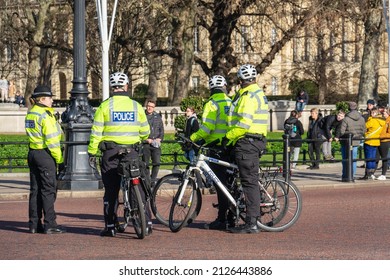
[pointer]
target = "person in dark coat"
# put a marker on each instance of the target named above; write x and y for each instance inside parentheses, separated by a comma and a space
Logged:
(293, 126)
(329, 125)
(192, 126)
(152, 145)
(301, 101)
(314, 134)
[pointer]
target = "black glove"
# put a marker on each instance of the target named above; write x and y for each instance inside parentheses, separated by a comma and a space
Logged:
(224, 142)
(188, 144)
(92, 161)
(61, 167)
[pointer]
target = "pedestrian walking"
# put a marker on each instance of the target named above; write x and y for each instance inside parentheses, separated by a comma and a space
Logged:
(119, 122)
(44, 157)
(293, 127)
(248, 125)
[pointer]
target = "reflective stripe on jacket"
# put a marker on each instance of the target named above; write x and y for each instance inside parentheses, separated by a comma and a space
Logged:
(43, 131)
(118, 119)
(214, 119)
(248, 113)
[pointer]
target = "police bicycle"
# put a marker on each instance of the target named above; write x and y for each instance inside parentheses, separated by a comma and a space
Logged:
(281, 201)
(133, 186)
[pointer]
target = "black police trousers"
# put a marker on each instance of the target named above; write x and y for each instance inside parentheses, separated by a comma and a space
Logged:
(43, 188)
(220, 171)
(247, 153)
(111, 180)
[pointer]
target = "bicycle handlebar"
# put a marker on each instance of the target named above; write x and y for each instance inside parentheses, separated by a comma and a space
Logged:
(208, 146)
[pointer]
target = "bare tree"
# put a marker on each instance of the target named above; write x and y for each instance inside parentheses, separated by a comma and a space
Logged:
(329, 48)
(373, 25)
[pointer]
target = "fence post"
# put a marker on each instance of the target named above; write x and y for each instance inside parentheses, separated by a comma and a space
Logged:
(349, 150)
(286, 157)
(270, 120)
(10, 164)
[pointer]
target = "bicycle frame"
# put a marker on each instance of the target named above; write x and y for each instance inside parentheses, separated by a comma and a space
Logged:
(203, 167)
(276, 212)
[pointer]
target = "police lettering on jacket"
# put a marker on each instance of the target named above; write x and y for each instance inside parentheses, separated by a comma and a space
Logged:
(123, 116)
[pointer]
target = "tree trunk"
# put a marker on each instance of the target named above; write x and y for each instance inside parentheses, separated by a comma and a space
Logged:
(35, 32)
(183, 38)
(154, 73)
(368, 75)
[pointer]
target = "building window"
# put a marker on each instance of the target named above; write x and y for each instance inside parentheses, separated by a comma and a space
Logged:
(195, 83)
(274, 86)
(320, 47)
(169, 42)
(245, 38)
(332, 43)
(307, 46)
(357, 40)
(344, 47)
(273, 36)
(9, 53)
(196, 39)
(295, 50)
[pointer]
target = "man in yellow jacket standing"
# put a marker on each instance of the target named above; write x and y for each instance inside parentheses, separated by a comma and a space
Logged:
(44, 134)
(248, 124)
(213, 129)
(118, 122)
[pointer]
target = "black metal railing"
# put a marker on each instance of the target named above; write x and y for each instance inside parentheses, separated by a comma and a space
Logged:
(272, 158)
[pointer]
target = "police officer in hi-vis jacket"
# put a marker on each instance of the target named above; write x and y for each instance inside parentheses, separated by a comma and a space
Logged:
(118, 122)
(44, 155)
(248, 123)
(213, 129)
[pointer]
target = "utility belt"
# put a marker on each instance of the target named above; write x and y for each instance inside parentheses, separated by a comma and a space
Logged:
(254, 136)
(43, 149)
(108, 145)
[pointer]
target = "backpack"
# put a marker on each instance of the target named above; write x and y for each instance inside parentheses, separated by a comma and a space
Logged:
(290, 129)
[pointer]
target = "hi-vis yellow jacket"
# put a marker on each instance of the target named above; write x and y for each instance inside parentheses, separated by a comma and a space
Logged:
(248, 113)
(43, 131)
(214, 119)
(118, 119)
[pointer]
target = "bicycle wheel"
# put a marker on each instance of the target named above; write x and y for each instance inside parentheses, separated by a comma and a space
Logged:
(281, 204)
(163, 195)
(186, 203)
(137, 211)
(123, 212)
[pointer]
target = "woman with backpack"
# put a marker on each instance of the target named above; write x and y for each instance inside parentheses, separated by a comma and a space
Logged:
(294, 128)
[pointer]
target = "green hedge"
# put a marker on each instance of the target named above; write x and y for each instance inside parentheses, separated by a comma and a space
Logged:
(17, 147)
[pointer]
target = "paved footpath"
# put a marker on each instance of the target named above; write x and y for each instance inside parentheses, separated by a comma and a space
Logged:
(15, 186)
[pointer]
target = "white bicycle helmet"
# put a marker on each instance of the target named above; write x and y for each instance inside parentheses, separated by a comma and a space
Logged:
(247, 72)
(217, 81)
(118, 79)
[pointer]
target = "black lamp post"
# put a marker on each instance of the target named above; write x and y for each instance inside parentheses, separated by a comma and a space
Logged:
(78, 117)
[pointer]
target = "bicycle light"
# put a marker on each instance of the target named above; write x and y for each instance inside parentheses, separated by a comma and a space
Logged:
(135, 181)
